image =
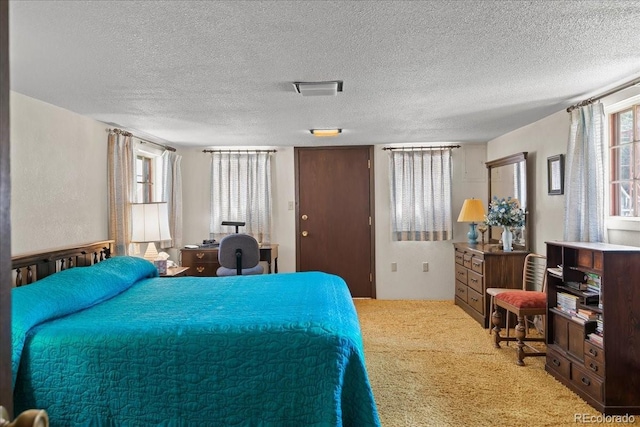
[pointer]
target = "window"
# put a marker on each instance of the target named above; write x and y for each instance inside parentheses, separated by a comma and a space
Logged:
(241, 191)
(149, 173)
(144, 181)
(420, 194)
(624, 161)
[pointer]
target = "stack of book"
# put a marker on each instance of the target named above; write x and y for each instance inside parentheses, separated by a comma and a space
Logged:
(598, 339)
(567, 302)
(583, 316)
(599, 326)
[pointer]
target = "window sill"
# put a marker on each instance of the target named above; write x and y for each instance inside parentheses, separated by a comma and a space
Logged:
(623, 223)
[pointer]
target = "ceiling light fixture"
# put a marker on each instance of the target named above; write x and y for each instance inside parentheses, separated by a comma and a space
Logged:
(329, 88)
(325, 132)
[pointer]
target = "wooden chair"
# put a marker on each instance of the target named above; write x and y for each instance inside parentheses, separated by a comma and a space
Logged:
(533, 277)
(531, 300)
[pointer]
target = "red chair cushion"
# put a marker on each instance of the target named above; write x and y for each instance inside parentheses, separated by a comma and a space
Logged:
(524, 299)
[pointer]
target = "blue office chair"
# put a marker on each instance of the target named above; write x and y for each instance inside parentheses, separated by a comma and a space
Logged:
(239, 255)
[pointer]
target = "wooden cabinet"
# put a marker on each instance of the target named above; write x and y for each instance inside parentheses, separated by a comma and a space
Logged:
(482, 266)
(598, 358)
(201, 261)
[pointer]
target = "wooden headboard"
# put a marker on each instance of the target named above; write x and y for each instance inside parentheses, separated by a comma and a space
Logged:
(35, 266)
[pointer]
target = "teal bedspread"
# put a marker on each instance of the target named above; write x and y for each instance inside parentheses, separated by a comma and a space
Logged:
(268, 350)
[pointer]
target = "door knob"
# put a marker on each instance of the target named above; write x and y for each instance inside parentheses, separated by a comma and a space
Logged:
(305, 217)
(305, 233)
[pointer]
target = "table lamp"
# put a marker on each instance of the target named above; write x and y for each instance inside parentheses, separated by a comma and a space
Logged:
(150, 224)
(473, 212)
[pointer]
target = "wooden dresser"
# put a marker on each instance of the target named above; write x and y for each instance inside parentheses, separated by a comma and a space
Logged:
(482, 266)
(201, 261)
(599, 358)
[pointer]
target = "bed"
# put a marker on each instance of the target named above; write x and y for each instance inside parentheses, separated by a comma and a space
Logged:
(112, 344)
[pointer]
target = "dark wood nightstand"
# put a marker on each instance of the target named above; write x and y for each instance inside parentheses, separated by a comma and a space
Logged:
(175, 272)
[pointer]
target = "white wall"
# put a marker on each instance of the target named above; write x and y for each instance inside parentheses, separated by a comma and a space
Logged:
(58, 177)
(542, 139)
(409, 282)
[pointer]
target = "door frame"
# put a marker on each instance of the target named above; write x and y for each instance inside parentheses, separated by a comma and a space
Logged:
(372, 211)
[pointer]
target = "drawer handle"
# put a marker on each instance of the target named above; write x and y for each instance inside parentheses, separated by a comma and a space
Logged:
(461, 290)
(200, 269)
(593, 367)
(460, 273)
(200, 255)
(476, 264)
(593, 352)
(474, 299)
(585, 381)
(556, 362)
(474, 280)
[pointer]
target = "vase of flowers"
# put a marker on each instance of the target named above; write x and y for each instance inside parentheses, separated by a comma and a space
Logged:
(505, 213)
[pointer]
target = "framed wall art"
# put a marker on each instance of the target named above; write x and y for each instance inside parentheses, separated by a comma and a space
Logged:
(555, 174)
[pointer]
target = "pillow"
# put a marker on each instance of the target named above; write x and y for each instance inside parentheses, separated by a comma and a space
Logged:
(70, 291)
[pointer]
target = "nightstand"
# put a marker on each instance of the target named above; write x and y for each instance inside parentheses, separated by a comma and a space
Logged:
(175, 272)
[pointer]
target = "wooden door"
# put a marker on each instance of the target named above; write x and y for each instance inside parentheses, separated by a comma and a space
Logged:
(334, 214)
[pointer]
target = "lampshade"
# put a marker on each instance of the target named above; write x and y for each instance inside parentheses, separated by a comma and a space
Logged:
(150, 224)
(472, 211)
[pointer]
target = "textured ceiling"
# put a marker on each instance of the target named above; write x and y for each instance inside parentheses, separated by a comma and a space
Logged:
(203, 73)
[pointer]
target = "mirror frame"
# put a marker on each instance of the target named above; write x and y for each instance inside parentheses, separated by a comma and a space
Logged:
(504, 161)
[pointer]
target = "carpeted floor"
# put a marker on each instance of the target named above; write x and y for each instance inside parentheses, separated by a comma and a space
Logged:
(430, 364)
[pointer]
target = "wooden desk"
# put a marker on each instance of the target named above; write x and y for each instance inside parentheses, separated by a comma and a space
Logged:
(204, 261)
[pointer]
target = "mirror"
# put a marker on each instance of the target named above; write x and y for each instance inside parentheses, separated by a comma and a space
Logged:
(508, 178)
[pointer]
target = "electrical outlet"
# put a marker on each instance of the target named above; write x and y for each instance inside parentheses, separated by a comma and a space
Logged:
(394, 266)
(425, 267)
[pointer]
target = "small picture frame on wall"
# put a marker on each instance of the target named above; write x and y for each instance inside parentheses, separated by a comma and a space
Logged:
(555, 174)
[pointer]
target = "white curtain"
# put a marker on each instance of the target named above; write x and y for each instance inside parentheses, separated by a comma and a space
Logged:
(420, 195)
(584, 177)
(121, 182)
(241, 191)
(172, 194)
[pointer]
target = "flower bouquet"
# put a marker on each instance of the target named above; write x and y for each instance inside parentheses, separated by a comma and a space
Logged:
(505, 213)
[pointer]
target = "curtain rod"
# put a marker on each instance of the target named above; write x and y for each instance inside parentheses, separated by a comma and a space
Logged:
(603, 95)
(144, 141)
(431, 147)
(238, 151)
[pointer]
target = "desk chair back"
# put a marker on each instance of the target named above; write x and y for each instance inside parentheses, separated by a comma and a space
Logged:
(239, 254)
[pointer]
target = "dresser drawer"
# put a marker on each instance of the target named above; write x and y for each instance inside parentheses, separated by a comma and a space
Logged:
(477, 265)
(475, 300)
(192, 257)
(459, 257)
(467, 260)
(586, 382)
(558, 363)
(593, 351)
(474, 280)
(461, 291)
(593, 366)
(461, 274)
(207, 269)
